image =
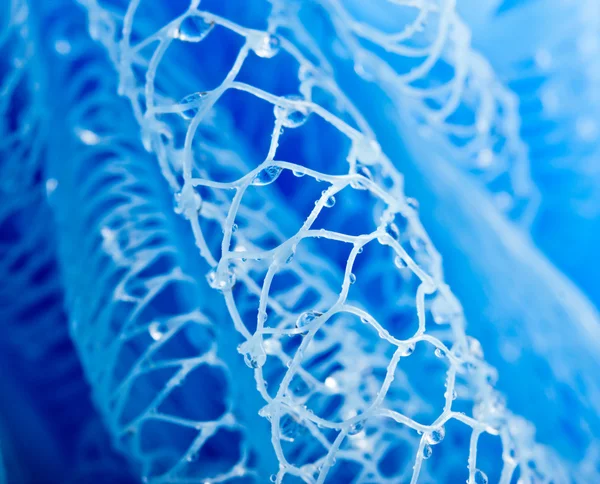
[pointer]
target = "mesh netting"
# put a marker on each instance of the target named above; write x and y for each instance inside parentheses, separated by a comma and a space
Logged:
(151, 356)
(501, 296)
(21, 104)
(322, 263)
(553, 70)
(35, 329)
(30, 293)
(445, 90)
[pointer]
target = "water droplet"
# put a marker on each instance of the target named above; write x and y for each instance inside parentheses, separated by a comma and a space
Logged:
(360, 250)
(221, 279)
(360, 184)
(234, 228)
(436, 436)
(267, 175)
(298, 173)
(356, 428)
(191, 103)
(292, 116)
(251, 360)
(399, 262)
(157, 330)
(412, 203)
(440, 353)
(330, 202)
(479, 477)
(264, 45)
(51, 185)
(87, 136)
(427, 451)
(193, 29)
(332, 383)
(254, 354)
(307, 318)
(273, 478)
(352, 278)
(408, 350)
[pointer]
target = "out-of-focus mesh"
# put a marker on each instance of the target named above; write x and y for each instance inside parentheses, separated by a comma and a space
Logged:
(448, 93)
(326, 270)
(457, 238)
(45, 370)
(25, 263)
(553, 70)
(564, 75)
(30, 296)
(150, 355)
(22, 139)
(20, 103)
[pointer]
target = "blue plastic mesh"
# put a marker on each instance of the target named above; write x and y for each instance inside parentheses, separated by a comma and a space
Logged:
(152, 358)
(337, 308)
(519, 308)
(446, 92)
(251, 293)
